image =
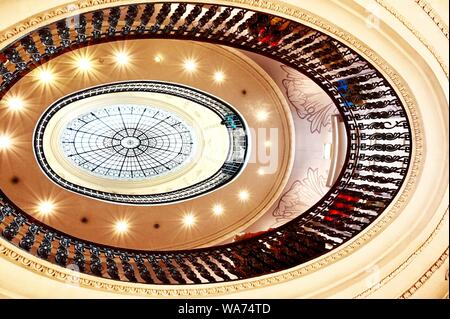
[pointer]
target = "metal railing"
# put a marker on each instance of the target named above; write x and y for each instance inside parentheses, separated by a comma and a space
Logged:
(378, 130)
(231, 167)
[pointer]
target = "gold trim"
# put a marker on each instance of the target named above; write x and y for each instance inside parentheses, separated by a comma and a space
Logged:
(427, 275)
(438, 21)
(296, 14)
(288, 9)
(408, 261)
(63, 167)
(416, 33)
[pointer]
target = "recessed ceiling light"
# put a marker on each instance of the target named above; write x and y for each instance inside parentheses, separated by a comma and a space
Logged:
(218, 210)
(157, 58)
(45, 207)
(219, 76)
(5, 142)
(262, 115)
(267, 143)
(15, 103)
(261, 171)
(190, 65)
(121, 226)
(84, 64)
(244, 195)
(189, 220)
(121, 58)
(45, 76)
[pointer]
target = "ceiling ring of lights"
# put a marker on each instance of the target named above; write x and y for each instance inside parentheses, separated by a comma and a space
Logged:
(367, 101)
(135, 142)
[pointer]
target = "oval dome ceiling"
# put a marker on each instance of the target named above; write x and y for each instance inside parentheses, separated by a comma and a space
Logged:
(138, 142)
(376, 156)
(127, 142)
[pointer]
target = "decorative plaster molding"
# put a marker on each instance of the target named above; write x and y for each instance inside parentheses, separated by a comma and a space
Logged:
(416, 33)
(53, 271)
(408, 261)
(427, 275)
(308, 100)
(433, 16)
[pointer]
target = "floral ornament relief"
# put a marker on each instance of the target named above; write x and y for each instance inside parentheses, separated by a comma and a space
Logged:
(300, 196)
(308, 99)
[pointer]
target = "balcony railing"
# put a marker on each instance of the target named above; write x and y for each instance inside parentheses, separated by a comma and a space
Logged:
(378, 130)
(232, 166)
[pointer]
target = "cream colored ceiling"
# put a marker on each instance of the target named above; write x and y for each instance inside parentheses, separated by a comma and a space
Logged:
(211, 144)
(242, 75)
(402, 252)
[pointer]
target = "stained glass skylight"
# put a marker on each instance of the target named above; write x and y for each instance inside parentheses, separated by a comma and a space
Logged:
(141, 142)
(128, 142)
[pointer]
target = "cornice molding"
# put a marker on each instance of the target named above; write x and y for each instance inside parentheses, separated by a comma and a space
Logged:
(427, 275)
(407, 262)
(438, 21)
(25, 260)
(276, 6)
(416, 33)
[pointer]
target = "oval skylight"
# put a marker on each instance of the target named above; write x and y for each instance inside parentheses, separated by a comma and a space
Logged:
(128, 142)
(141, 142)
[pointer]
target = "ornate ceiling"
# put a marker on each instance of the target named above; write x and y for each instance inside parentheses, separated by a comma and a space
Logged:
(382, 130)
(215, 147)
(106, 143)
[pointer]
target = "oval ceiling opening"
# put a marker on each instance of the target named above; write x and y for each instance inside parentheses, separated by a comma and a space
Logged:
(128, 142)
(139, 142)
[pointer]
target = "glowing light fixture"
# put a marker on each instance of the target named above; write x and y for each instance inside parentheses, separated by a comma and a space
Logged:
(121, 226)
(261, 171)
(84, 64)
(189, 220)
(5, 142)
(244, 195)
(121, 58)
(45, 207)
(219, 76)
(262, 115)
(190, 65)
(218, 210)
(45, 76)
(15, 103)
(158, 58)
(267, 143)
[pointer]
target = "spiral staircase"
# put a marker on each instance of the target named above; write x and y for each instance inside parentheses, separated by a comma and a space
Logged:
(381, 228)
